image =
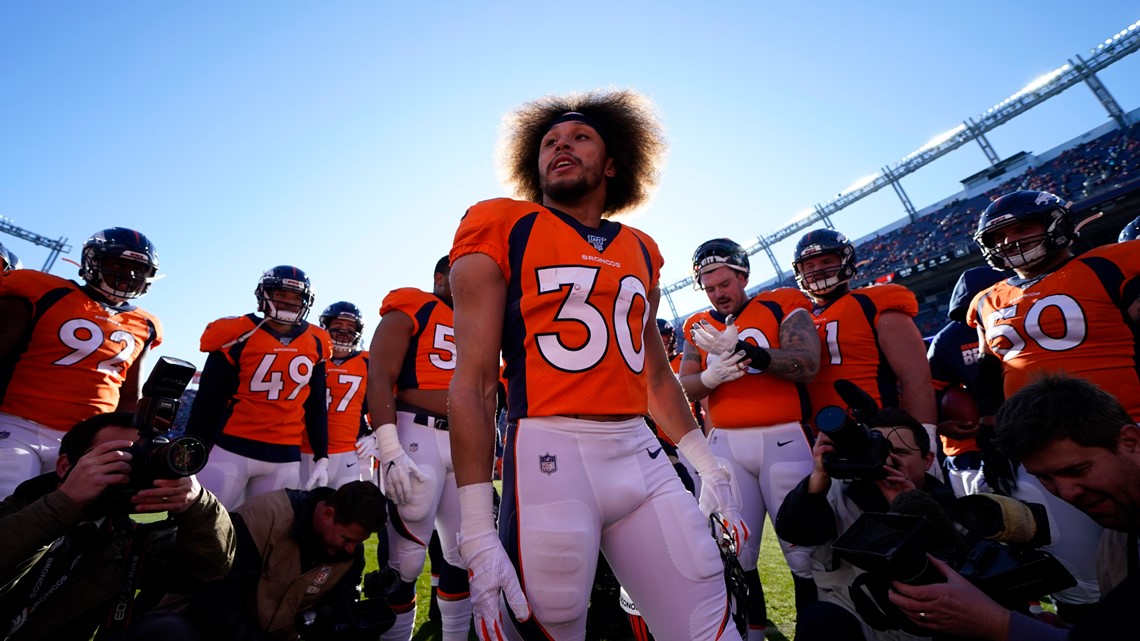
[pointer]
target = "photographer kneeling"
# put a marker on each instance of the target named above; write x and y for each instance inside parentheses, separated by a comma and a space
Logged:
(71, 558)
(894, 460)
(300, 558)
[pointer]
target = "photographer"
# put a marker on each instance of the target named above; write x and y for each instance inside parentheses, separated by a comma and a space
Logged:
(1085, 448)
(298, 553)
(69, 545)
(818, 510)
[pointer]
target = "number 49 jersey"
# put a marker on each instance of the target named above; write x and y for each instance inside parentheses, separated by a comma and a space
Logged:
(1073, 319)
(576, 309)
(430, 359)
(72, 362)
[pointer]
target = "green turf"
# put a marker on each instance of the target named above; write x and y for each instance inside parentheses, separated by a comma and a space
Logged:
(774, 576)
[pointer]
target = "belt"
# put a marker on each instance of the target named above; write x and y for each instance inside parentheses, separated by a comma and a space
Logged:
(430, 421)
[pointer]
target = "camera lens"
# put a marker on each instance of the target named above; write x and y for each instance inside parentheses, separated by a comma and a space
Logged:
(186, 456)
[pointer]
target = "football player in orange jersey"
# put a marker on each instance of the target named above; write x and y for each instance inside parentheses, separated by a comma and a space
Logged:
(70, 351)
(346, 373)
(9, 261)
(413, 360)
(570, 296)
(868, 336)
(1060, 312)
(262, 385)
(756, 396)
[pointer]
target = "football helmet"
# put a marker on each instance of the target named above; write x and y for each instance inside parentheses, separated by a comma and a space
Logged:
(1021, 206)
(716, 252)
(819, 242)
(119, 263)
(1130, 231)
(284, 278)
(343, 338)
(8, 260)
(665, 328)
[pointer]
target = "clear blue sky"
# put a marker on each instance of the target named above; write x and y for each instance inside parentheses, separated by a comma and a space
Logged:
(348, 138)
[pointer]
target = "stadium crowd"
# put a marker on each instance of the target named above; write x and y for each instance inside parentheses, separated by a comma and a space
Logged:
(917, 492)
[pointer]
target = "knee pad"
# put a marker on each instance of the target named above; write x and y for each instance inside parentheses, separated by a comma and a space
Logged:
(407, 558)
(558, 560)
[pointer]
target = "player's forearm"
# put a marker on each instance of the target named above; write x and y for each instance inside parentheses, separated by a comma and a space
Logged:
(669, 407)
(798, 366)
(694, 389)
(472, 431)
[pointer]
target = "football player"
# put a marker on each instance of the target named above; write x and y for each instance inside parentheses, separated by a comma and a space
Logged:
(1059, 312)
(70, 351)
(414, 358)
(756, 395)
(868, 336)
(262, 385)
(569, 296)
(9, 261)
(346, 375)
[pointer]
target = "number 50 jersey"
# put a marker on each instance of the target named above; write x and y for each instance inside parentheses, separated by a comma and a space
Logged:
(576, 309)
(1073, 319)
(430, 359)
(73, 359)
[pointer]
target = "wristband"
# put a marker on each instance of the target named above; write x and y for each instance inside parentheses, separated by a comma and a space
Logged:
(696, 449)
(477, 507)
(759, 356)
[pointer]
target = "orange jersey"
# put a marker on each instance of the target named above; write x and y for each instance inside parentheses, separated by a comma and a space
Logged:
(756, 400)
(847, 330)
(345, 384)
(1072, 319)
(576, 309)
(430, 359)
(73, 359)
(273, 376)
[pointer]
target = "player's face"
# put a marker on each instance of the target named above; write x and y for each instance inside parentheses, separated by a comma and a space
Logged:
(572, 161)
(286, 301)
(820, 268)
(123, 274)
(1103, 484)
(905, 454)
(1021, 243)
(342, 330)
(725, 288)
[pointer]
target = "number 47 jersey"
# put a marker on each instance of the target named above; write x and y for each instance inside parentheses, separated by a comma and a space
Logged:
(1073, 319)
(576, 308)
(72, 361)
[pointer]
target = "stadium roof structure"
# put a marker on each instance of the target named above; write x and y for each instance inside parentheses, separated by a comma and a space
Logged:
(56, 246)
(1073, 72)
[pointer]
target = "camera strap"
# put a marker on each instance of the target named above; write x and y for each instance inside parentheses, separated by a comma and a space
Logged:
(54, 569)
(122, 604)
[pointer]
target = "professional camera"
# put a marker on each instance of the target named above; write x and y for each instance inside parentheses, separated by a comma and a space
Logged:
(860, 452)
(893, 547)
(157, 455)
(363, 619)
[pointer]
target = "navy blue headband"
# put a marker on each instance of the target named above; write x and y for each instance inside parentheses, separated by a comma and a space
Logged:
(574, 116)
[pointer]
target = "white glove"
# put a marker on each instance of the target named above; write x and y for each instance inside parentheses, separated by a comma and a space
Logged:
(713, 340)
(721, 369)
(488, 567)
(319, 475)
(397, 468)
(716, 487)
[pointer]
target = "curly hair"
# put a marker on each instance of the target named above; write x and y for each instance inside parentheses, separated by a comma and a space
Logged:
(634, 140)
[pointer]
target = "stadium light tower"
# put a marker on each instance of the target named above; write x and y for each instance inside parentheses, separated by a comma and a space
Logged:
(56, 246)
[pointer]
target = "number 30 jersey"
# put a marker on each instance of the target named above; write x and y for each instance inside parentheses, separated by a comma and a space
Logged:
(430, 359)
(576, 309)
(1073, 319)
(72, 361)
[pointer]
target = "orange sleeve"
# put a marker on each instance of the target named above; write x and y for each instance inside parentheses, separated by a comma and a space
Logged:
(483, 230)
(893, 298)
(404, 299)
(222, 331)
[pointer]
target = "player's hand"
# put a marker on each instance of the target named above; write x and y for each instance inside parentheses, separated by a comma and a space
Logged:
(717, 499)
(490, 571)
(319, 476)
(721, 369)
(104, 465)
(396, 466)
(168, 495)
(713, 340)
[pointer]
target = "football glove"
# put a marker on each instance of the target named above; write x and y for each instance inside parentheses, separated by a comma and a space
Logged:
(319, 476)
(721, 369)
(397, 468)
(488, 568)
(713, 340)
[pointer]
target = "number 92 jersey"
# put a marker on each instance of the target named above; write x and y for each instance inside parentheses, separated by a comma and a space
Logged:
(72, 361)
(576, 309)
(273, 376)
(430, 359)
(1073, 319)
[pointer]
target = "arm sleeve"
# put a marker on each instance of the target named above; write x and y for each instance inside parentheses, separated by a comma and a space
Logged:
(317, 414)
(219, 384)
(805, 518)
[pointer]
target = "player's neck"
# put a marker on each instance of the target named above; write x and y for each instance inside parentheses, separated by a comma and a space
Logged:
(341, 354)
(587, 210)
(1045, 266)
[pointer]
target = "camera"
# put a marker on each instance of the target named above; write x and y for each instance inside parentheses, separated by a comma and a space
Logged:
(363, 619)
(860, 452)
(156, 454)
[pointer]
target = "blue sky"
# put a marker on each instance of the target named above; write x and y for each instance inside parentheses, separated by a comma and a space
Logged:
(348, 138)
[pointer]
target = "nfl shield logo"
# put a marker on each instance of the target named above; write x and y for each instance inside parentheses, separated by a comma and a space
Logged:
(547, 463)
(414, 447)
